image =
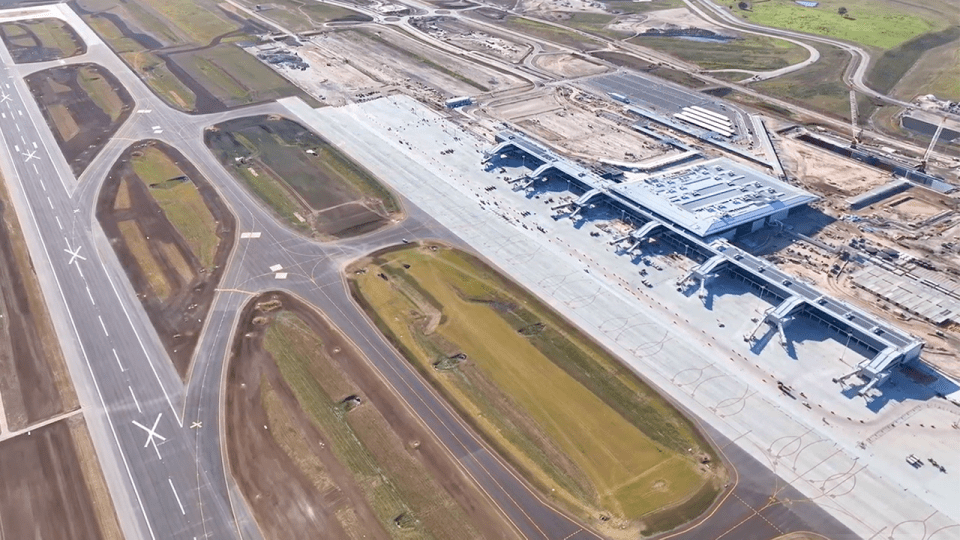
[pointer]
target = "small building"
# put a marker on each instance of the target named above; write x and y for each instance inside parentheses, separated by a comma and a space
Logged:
(456, 102)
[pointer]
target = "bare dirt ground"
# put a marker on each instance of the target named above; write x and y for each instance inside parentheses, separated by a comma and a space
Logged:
(57, 88)
(285, 500)
(34, 382)
(44, 493)
(463, 34)
(564, 122)
(828, 174)
(29, 47)
(178, 319)
(392, 58)
(568, 65)
(551, 6)
(665, 19)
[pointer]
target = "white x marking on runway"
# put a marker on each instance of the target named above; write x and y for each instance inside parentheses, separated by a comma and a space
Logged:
(31, 155)
(4, 97)
(152, 434)
(74, 255)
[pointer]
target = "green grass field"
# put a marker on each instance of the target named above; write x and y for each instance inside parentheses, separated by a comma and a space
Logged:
(54, 33)
(146, 64)
(181, 202)
(235, 76)
(196, 22)
(100, 91)
(873, 23)
(576, 422)
(755, 53)
(282, 173)
(818, 87)
(891, 67)
(393, 481)
(303, 15)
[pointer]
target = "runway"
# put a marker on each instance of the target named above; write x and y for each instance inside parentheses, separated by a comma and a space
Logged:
(160, 440)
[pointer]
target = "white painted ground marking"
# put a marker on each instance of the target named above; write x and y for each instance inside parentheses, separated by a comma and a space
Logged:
(19, 112)
(196, 425)
(276, 268)
(281, 275)
(4, 115)
(34, 144)
(143, 348)
(41, 180)
(4, 96)
(152, 434)
(18, 129)
(157, 131)
(92, 301)
(117, 356)
(135, 402)
(141, 111)
(51, 203)
(22, 138)
(30, 155)
(75, 255)
(58, 222)
(16, 148)
(103, 326)
(250, 235)
(180, 504)
(156, 128)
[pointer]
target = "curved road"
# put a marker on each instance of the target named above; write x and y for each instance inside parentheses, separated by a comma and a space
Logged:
(853, 76)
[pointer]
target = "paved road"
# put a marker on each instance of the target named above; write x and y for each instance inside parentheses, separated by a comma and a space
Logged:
(853, 76)
(172, 466)
(175, 486)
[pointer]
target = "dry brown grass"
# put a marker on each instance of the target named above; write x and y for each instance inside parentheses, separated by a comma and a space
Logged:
(93, 476)
(140, 249)
(66, 126)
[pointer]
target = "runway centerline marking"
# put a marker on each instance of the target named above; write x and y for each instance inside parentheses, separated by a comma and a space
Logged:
(92, 301)
(135, 402)
(103, 326)
(180, 504)
(58, 222)
(117, 356)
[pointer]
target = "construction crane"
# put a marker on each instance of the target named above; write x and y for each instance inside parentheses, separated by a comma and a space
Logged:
(855, 131)
(933, 142)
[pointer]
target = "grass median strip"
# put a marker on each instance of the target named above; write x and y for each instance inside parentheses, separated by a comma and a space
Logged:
(399, 489)
(181, 202)
(577, 423)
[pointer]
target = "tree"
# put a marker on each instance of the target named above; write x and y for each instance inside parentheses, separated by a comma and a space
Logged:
(842, 11)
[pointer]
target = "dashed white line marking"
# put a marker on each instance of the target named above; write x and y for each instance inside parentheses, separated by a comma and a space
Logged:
(51, 203)
(117, 356)
(92, 301)
(135, 402)
(104, 326)
(58, 223)
(180, 504)
(34, 144)
(18, 128)
(19, 112)
(44, 186)
(4, 115)
(22, 138)
(16, 148)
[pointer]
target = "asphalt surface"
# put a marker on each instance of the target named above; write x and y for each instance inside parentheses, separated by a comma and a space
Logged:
(172, 466)
(162, 438)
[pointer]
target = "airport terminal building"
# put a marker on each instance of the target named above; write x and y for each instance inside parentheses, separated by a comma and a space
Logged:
(711, 199)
